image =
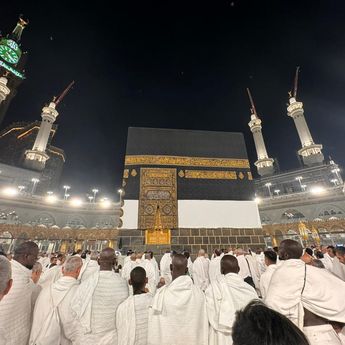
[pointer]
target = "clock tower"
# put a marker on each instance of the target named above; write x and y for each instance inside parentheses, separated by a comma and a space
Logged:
(12, 61)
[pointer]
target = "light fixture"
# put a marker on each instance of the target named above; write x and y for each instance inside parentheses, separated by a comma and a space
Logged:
(66, 188)
(51, 199)
(105, 203)
(277, 191)
(76, 202)
(10, 191)
(34, 180)
(317, 190)
(90, 198)
(21, 188)
(94, 191)
(334, 181)
(304, 187)
(268, 185)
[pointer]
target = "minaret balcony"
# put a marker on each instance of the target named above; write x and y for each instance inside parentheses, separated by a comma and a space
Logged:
(310, 150)
(264, 162)
(294, 108)
(35, 159)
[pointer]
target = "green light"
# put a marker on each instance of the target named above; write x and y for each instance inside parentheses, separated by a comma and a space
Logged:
(10, 51)
(12, 70)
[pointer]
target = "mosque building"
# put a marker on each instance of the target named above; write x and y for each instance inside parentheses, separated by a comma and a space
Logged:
(306, 202)
(168, 194)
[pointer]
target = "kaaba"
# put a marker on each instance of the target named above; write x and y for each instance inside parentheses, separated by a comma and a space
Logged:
(186, 190)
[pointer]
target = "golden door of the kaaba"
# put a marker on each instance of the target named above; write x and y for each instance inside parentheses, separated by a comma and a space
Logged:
(158, 188)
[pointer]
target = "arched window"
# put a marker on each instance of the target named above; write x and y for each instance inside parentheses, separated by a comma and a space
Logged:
(292, 214)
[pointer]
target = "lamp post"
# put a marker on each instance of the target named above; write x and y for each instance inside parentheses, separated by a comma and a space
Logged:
(94, 191)
(34, 181)
(299, 179)
(268, 185)
(21, 188)
(304, 187)
(66, 188)
(334, 181)
(120, 191)
(90, 198)
(277, 191)
(336, 172)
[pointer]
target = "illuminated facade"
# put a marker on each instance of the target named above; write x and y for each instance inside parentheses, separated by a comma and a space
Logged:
(17, 139)
(12, 62)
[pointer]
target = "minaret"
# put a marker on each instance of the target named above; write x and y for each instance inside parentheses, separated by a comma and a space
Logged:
(264, 164)
(16, 34)
(37, 157)
(310, 152)
(4, 89)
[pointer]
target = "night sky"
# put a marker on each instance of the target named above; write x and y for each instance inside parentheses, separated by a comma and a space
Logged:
(179, 64)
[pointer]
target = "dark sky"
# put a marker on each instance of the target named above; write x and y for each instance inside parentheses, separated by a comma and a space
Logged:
(179, 64)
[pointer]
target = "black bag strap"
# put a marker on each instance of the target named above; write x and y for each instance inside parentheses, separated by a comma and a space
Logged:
(305, 278)
(249, 268)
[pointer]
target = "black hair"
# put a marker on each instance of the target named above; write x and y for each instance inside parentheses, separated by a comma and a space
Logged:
(340, 250)
(258, 324)
(138, 276)
(333, 249)
(275, 249)
(319, 255)
(186, 254)
(309, 251)
(271, 255)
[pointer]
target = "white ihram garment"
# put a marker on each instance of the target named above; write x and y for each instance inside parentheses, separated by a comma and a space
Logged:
(224, 297)
(150, 274)
(200, 272)
(178, 315)
(155, 265)
(88, 269)
(50, 276)
(95, 304)
(190, 267)
(322, 335)
(323, 295)
(327, 262)
(58, 295)
(338, 269)
(165, 268)
(242, 263)
(214, 269)
(265, 280)
(16, 307)
(132, 320)
(127, 269)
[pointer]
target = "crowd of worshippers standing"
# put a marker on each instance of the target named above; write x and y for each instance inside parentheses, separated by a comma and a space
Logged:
(286, 295)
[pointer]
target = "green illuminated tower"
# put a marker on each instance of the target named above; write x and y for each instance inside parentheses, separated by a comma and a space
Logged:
(12, 60)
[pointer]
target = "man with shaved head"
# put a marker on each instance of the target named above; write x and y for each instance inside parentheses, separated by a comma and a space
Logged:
(97, 299)
(200, 271)
(224, 297)
(16, 306)
(132, 314)
(310, 297)
(56, 298)
(178, 313)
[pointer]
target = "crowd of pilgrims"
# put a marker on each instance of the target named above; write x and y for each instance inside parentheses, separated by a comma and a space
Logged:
(286, 295)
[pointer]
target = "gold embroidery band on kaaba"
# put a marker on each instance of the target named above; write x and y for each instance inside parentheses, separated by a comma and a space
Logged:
(186, 161)
(211, 175)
